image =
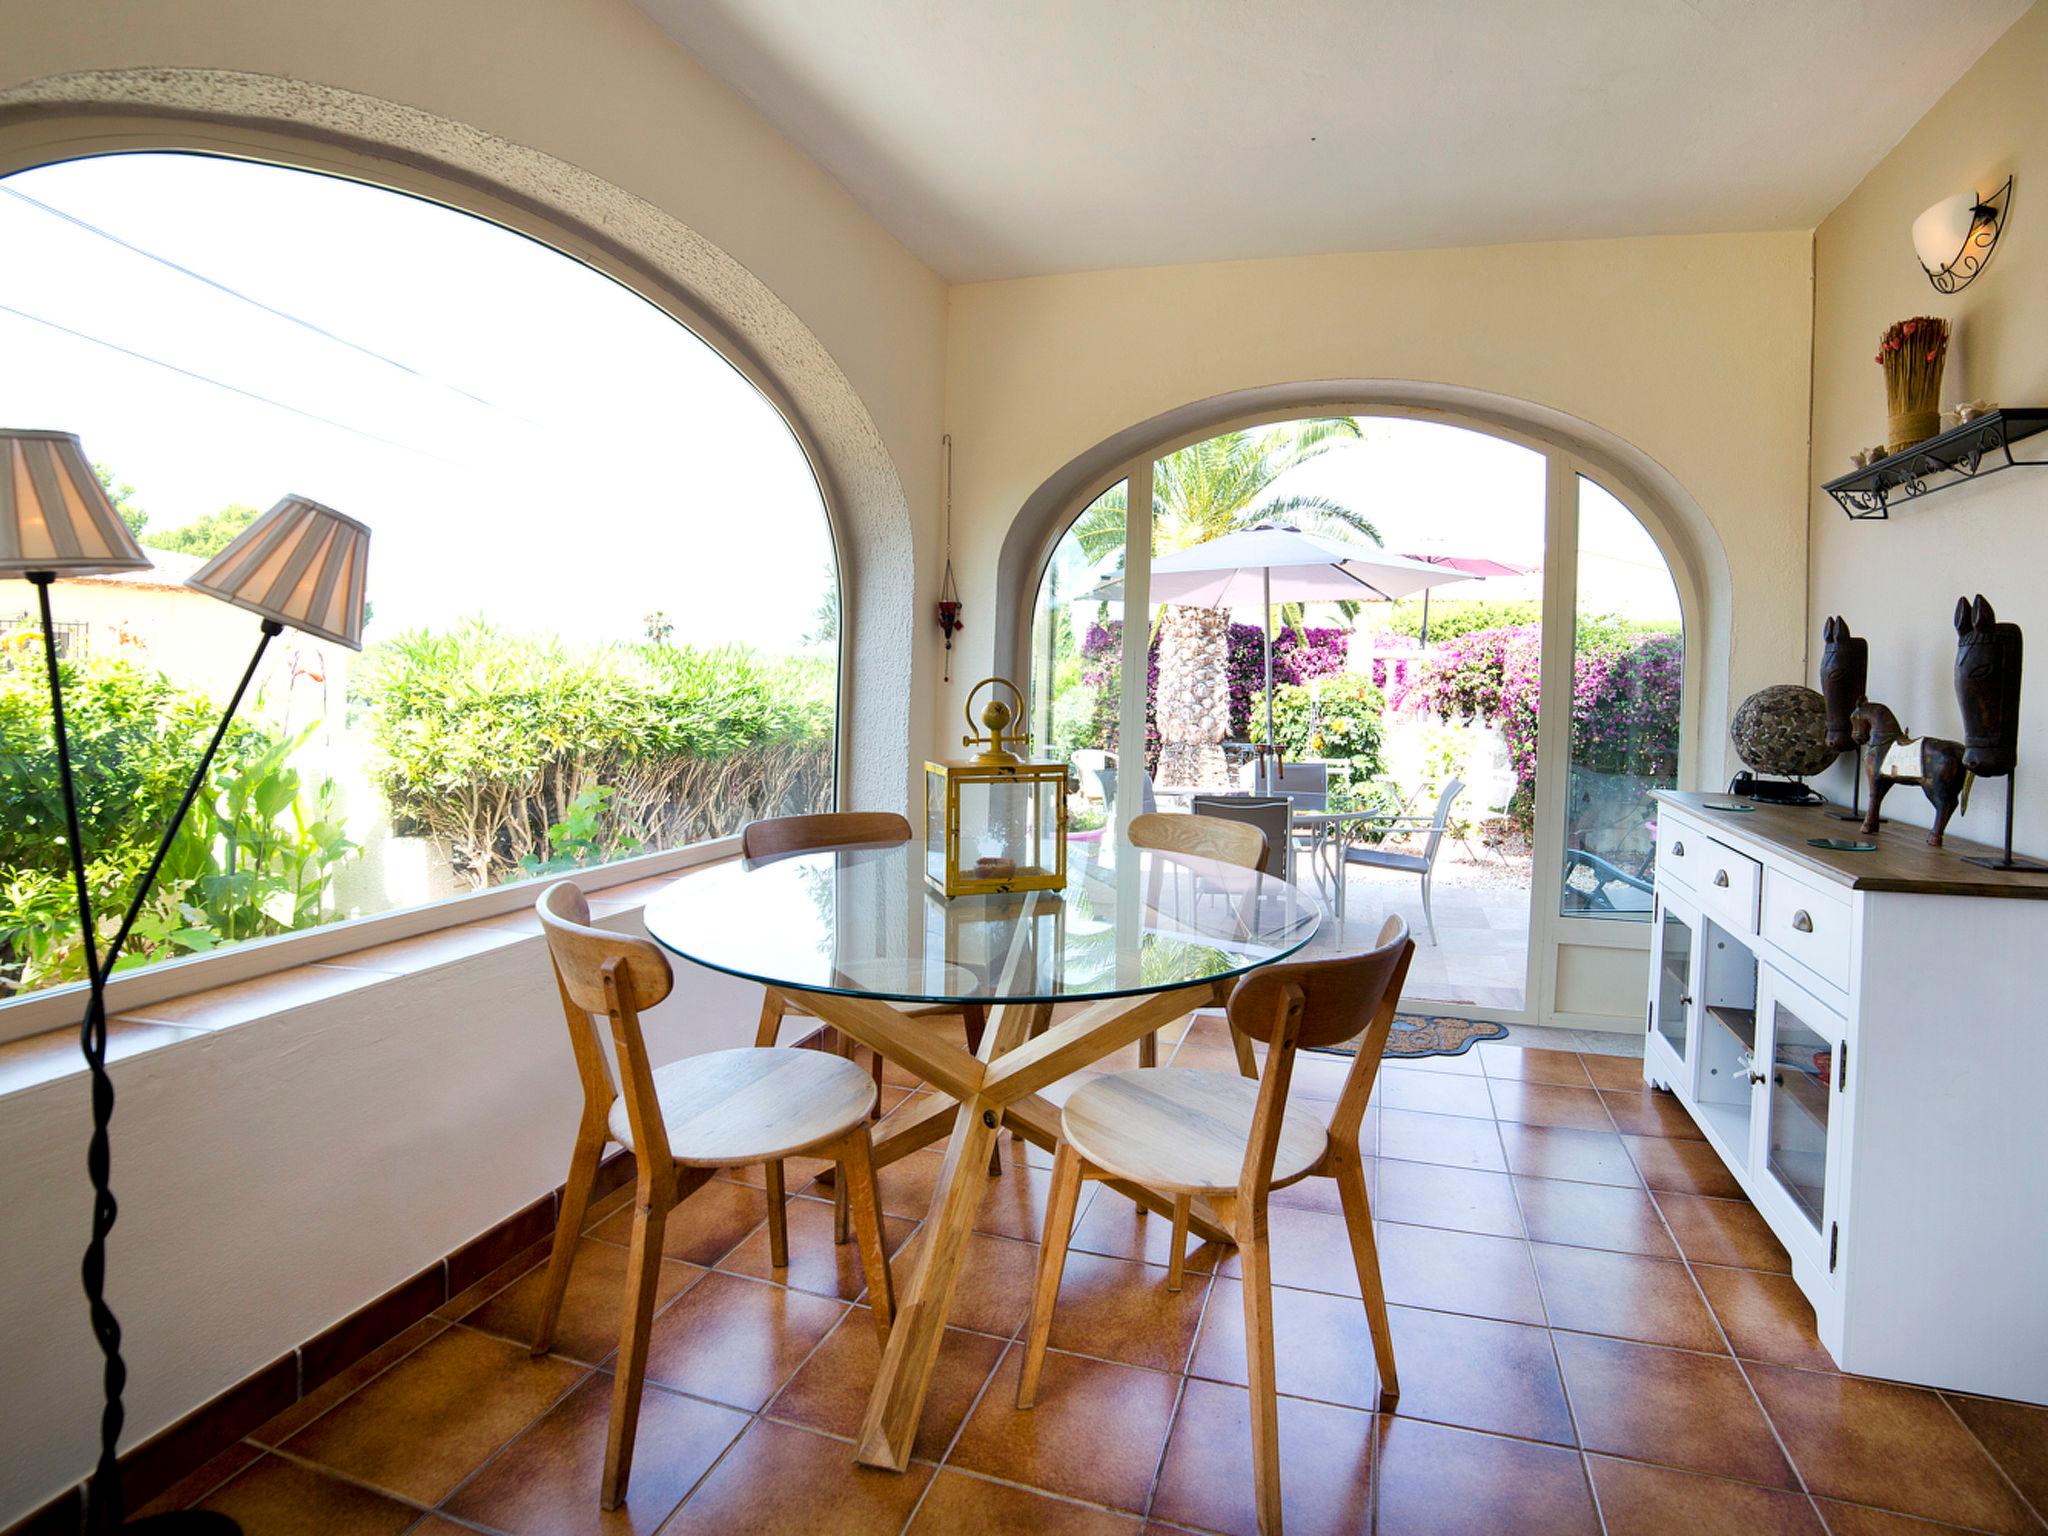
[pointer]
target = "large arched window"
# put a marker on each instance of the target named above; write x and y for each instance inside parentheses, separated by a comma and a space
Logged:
(1474, 748)
(604, 594)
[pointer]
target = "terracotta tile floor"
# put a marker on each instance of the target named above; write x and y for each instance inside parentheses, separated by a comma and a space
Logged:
(1592, 1337)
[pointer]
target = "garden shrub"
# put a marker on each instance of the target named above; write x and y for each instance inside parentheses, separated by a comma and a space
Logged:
(1299, 656)
(486, 740)
(1336, 719)
(256, 856)
(1626, 690)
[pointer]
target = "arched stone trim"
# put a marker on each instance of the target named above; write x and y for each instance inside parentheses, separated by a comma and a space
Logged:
(321, 128)
(1681, 529)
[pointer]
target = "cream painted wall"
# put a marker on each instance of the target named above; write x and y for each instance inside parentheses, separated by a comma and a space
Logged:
(1692, 349)
(597, 84)
(1897, 581)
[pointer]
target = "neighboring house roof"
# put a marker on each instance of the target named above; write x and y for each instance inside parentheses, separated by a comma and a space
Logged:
(170, 571)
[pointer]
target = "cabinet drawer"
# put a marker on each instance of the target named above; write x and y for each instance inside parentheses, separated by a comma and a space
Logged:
(1678, 848)
(1809, 925)
(1727, 883)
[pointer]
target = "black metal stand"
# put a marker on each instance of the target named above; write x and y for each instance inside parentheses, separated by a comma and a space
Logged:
(2019, 866)
(1855, 811)
(104, 1503)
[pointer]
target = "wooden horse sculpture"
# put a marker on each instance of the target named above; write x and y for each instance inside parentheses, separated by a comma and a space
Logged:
(1894, 757)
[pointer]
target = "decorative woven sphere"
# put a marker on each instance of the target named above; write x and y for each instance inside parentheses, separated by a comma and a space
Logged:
(1783, 729)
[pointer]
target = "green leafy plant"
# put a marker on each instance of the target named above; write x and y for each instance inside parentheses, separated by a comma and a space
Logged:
(577, 841)
(1333, 719)
(257, 854)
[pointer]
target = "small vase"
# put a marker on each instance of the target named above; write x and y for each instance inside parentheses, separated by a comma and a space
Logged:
(1903, 429)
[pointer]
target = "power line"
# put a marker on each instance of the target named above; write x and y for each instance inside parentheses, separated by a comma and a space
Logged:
(269, 309)
(233, 389)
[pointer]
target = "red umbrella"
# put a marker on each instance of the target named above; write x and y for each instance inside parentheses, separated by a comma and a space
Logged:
(1475, 566)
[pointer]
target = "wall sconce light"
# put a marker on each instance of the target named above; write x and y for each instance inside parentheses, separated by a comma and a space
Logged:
(1955, 237)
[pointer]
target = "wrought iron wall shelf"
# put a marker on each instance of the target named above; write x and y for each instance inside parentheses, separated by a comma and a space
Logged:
(1968, 452)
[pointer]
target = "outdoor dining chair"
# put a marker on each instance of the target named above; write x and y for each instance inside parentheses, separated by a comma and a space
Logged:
(1229, 1143)
(1431, 827)
(1271, 814)
(724, 1109)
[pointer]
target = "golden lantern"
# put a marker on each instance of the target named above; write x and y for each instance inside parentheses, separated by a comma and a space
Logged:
(994, 822)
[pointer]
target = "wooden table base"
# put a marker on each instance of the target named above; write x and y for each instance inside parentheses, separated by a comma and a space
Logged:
(1020, 1054)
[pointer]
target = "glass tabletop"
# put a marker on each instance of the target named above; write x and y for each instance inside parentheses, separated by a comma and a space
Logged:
(862, 921)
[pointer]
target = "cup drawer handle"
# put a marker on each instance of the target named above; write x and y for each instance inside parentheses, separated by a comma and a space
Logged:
(1678, 850)
(1721, 878)
(1801, 923)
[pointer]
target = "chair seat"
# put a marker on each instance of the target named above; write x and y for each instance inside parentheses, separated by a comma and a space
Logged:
(753, 1105)
(1174, 1128)
(1387, 858)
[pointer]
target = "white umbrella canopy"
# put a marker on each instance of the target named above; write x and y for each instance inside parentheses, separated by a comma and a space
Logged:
(1264, 565)
(1258, 567)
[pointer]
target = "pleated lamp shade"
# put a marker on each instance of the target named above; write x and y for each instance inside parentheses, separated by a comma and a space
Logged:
(300, 564)
(54, 516)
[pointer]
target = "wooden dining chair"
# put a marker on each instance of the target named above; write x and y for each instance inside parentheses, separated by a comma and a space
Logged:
(724, 1109)
(1228, 1143)
(1237, 843)
(775, 837)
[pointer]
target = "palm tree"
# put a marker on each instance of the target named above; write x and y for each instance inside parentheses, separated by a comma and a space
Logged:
(1199, 493)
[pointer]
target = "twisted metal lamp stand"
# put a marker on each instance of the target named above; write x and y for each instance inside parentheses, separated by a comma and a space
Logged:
(104, 1502)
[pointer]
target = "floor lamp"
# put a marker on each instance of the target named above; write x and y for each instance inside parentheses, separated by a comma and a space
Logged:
(300, 564)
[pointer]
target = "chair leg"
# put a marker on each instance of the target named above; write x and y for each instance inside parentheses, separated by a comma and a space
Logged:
(875, 1068)
(1428, 917)
(842, 1210)
(857, 1177)
(1182, 1205)
(1256, 1261)
(643, 1272)
(1365, 1258)
(772, 1008)
(1052, 1263)
(1247, 1063)
(778, 1218)
(568, 1231)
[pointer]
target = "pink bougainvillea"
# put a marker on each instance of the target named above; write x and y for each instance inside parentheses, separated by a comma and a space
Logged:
(1625, 696)
(1299, 655)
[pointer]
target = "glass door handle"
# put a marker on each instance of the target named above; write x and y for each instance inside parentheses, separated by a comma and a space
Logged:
(1755, 1078)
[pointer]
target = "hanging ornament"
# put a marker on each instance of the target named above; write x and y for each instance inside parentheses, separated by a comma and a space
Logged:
(949, 593)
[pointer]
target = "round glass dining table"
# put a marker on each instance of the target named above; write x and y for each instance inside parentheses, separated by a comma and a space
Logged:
(1138, 938)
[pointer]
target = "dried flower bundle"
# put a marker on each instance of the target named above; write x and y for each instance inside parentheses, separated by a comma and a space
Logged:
(1911, 353)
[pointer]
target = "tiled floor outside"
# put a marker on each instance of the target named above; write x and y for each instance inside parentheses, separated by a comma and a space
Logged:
(1594, 1333)
(1481, 904)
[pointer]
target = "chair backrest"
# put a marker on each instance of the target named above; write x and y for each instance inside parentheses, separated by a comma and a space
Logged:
(615, 975)
(1271, 814)
(1319, 1003)
(1442, 817)
(1206, 837)
(1147, 802)
(1306, 784)
(773, 836)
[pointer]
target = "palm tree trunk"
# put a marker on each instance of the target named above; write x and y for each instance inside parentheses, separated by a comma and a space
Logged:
(1194, 696)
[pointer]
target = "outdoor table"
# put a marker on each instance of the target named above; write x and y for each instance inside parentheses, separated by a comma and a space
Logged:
(1327, 831)
(1141, 937)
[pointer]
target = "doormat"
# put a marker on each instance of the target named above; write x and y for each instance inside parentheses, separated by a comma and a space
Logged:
(1432, 1034)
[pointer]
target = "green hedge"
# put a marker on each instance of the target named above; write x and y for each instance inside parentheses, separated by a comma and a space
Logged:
(492, 743)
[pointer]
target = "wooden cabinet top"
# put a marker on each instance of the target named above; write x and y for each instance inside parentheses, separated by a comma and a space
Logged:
(1902, 861)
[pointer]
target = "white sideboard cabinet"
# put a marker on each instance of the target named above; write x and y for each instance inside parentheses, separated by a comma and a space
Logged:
(1862, 1037)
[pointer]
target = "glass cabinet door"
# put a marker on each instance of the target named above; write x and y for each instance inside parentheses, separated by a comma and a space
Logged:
(1802, 1075)
(1674, 980)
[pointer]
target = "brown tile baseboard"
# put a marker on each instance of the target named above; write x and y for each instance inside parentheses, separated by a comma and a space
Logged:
(159, 1462)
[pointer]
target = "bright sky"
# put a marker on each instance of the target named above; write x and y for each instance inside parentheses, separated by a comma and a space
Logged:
(525, 438)
(1433, 489)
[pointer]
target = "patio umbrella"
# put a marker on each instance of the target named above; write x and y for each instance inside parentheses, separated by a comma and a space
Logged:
(1267, 565)
(1475, 567)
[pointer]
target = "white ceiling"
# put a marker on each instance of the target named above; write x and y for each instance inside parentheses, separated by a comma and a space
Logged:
(1001, 138)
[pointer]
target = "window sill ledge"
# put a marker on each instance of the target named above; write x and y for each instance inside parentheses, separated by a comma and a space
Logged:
(49, 1055)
